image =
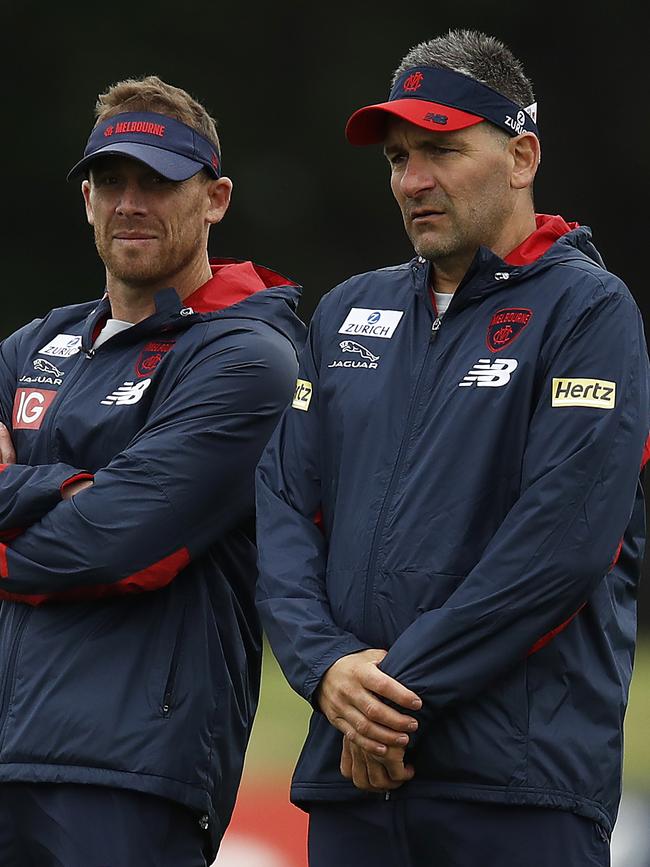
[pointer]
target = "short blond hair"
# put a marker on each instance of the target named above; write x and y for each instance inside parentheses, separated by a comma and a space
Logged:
(151, 93)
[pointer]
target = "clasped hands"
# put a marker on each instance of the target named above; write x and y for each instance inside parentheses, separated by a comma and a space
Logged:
(375, 735)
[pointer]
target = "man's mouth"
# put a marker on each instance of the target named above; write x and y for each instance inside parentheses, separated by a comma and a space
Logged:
(134, 236)
(421, 214)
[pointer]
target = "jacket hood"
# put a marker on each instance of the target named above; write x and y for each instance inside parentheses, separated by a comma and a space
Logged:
(243, 289)
(237, 289)
(542, 242)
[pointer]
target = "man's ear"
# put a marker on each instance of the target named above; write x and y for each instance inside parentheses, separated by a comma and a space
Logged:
(85, 191)
(219, 192)
(526, 155)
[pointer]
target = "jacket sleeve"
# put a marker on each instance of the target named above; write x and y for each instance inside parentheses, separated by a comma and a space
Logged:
(579, 478)
(26, 493)
(185, 480)
(295, 613)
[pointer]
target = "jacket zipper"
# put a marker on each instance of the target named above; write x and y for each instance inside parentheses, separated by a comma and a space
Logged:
(83, 364)
(168, 695)
(7, 685)
(75, 374)
(374, 549)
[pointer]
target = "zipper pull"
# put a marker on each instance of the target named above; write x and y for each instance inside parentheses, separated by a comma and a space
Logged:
(435, 327)
(89, 353)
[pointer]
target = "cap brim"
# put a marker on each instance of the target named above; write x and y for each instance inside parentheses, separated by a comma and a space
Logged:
(170, 165)
(368, 125)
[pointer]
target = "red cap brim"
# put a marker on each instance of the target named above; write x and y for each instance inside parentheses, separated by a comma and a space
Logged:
(368, 125)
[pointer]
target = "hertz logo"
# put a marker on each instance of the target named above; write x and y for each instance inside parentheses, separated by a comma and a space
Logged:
(599, 393)
(302, 394)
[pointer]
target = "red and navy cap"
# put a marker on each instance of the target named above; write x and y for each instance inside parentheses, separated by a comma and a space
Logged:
(440, 100)
(171, 148)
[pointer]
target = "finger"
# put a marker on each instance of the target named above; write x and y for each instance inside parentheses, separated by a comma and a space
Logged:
(396, 771)
(7, 451)
(367, 735)
(346, 760)
(360, 771)
(378, 777)
(351, 702)
(379, 713)
(369, 774)
(387, 687)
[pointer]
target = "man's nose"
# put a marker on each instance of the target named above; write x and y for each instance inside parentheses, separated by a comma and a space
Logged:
(417, 176)
(131, 201)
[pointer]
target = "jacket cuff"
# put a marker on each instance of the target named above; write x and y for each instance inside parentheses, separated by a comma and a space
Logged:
(78, 477)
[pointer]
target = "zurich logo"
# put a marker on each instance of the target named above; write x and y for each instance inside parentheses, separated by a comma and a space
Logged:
(374, 317)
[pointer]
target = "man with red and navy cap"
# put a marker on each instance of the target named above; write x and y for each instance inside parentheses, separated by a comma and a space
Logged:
(130, 646)
(450, 516)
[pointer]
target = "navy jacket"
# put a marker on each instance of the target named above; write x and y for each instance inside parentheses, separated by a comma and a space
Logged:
(475, 477)
(101, 682)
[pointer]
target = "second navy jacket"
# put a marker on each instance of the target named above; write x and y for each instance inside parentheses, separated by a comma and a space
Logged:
(464, 493)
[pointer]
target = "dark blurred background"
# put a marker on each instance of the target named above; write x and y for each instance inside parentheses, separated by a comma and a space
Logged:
(281, 79)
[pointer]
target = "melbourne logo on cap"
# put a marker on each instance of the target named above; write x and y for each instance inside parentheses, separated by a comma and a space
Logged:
(413, 82)
(145, 126)
(505, 326)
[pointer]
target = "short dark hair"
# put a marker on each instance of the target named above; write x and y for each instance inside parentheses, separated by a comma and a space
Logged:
(477, 55)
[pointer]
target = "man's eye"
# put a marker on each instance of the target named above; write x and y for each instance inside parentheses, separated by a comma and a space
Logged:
(396, 159)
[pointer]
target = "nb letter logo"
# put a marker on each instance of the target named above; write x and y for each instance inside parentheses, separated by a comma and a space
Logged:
(489, 374)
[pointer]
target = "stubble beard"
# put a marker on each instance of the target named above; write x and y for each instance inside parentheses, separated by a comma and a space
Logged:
(142, 271)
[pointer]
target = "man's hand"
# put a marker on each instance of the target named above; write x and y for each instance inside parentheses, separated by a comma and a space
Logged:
(7, 451)
(374, 773)
(74, 487)
(350, 696)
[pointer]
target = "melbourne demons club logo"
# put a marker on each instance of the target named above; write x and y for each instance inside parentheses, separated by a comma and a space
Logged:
(30, 406)
(151, 356)
(505, 326)
(413, 82)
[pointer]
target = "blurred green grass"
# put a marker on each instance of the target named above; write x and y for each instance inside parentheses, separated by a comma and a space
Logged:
(281, 725)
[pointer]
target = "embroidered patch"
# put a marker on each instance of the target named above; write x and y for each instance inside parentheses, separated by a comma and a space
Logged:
(62, 346)
(151, 356)
(30, 406)
(302, 394)
(599, 393)
(371, 322)
(505, 326)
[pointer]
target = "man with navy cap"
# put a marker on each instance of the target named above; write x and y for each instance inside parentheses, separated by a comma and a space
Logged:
(450, 520)
(131, 426)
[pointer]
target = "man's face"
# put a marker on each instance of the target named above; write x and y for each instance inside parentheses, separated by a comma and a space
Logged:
(147, 228)
(453, 188)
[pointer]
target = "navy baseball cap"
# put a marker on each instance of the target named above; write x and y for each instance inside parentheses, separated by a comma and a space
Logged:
(171, 148)
(439, 100)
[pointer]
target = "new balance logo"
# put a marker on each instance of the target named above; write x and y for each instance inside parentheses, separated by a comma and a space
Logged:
(127, 394)
(489, 374)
